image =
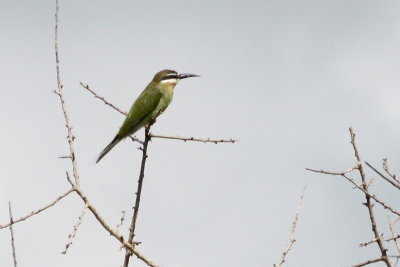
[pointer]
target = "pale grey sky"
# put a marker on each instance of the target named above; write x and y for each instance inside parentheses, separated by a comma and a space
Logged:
(286, 78)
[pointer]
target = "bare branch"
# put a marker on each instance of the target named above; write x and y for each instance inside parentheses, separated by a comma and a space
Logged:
(383, 204)
(369, 262)
(138, 193)
(111, 231)
(76, 226)
(369, 204)
(394, 236)
(102, 99)
(364, 187)
(383, 176)
(60, 94)
(292, 240)
(12, 235)
(369, 242)
(207, 140)
(386, 168)
(135, 139)
(39, 210)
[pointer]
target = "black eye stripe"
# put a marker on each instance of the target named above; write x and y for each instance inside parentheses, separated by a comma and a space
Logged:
(170, 76)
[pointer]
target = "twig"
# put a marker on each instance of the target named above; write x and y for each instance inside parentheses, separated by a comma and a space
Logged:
(369, 204)
(207, 140)
(383, 204)
(292, 240)
(370, 261)
(102, 99)
(135, 139)
(12, 235)
(119, 237)
(394, 236)
(39, 210)
(364, 187)
(369, 242)
(60, 94)
(383, 176)
(386, 168)
(138, 193)
(76, 226)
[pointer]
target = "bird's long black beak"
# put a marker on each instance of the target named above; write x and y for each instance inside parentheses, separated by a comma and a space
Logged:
(187, 75)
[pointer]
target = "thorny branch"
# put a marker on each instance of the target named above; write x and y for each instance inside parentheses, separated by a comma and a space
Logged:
(86, 86)
(369, 204)
(59, 92)
(386, 168)
(76, 226)
(351, 180)
(147, 139)
(39, 210)
(207, 140)
(292, 240)
(364, 187)
(12, 235)
(394, 236)
(77, 187)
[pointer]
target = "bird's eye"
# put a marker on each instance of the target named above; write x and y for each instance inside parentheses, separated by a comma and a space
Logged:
(170, 76)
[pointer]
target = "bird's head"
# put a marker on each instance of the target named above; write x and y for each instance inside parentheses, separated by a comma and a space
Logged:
(171, 77)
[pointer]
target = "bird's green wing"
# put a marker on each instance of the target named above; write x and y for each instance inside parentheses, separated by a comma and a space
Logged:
(141, 112)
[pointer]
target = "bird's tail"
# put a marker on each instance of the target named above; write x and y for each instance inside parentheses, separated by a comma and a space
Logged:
(113, 143)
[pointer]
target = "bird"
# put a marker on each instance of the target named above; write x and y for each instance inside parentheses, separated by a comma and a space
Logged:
(153, 101)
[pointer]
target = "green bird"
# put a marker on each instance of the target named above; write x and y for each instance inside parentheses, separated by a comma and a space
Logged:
(154, 99)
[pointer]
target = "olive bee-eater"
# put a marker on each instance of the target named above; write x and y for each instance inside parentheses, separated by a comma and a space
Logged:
(154, 99)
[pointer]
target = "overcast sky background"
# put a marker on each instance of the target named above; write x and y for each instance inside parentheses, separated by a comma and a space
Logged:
(285, 78)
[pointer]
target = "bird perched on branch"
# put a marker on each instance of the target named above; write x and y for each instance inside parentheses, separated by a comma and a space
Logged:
(154, 99)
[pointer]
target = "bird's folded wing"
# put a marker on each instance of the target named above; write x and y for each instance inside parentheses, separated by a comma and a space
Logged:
(141, 112)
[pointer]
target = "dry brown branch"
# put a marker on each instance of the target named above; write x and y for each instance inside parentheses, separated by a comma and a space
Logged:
(147, 138)
(76, 226)
(364, 187)
(369, 262)
(207, 140)
(64, 109)
(383, 176)
(383, 204)
(77, 187)
(386, 168)
(394, 236)
(292, 240)
(39, 210)
(368, 203)
(86, 86)
(12, 235)
(369, 242)
(119, 237)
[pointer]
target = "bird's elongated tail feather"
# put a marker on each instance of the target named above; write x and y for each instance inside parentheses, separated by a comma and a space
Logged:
(113, 143)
